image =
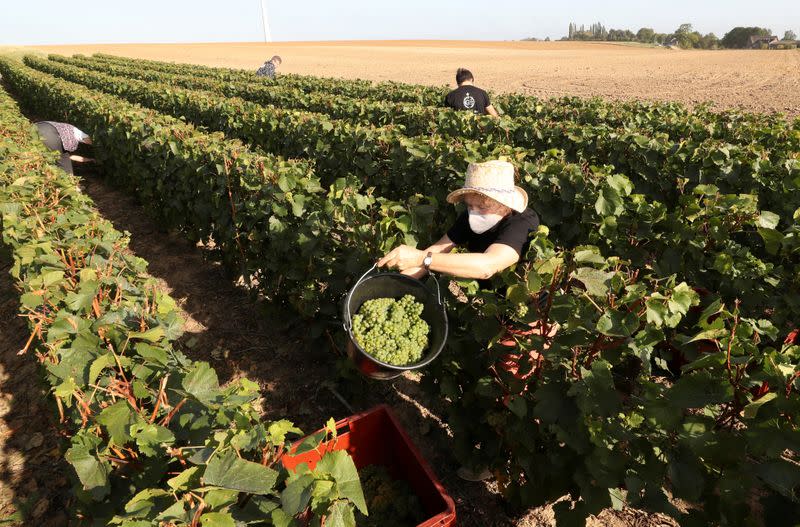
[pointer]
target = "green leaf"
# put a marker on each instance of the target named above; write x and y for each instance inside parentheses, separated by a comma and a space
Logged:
(154, 354)
(768, 220)
(618, 324)
(751, 409)
(176, 511)
(217, 519)
(596, 282)
(683, 297)
(323, 493)
(142, 501)
(219, 498)
(517, 294)
(151, 335)
(596, 393)
(620, 183)
(297, 494)
(609, 203)
(782, 476)
(340, 465)
(656, 311)
(150, 435)
(340, 514)
(517, 405)
(79, 301)
(92, 472)
(698, 389)
(185, 480)
(230, 472)
(99, 364)
(710, 334)
(279, 429)
(707, 360)
(202, 382)
(772, 240)
(118, 419)
(52, 277)
(281, 519)
(686, 476)
(618, 498)
(589, 256)
(31, 300)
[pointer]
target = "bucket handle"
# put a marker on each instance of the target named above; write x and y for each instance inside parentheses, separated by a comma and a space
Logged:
(346, 324)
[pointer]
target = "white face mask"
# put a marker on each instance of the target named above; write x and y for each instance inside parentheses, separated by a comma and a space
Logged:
(480, 223)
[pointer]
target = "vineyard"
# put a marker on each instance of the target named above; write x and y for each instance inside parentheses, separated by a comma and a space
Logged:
(669, 249)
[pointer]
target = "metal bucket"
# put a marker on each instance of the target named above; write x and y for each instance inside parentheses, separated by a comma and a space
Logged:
(395, 285)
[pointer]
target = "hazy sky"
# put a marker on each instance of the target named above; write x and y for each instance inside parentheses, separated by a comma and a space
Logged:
(96, 21)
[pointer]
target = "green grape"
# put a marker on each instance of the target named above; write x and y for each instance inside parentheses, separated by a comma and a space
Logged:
(392, 330)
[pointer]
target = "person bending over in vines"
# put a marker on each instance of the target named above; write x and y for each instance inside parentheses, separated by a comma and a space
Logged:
(65, 139)
(270, 67)
(495, 229)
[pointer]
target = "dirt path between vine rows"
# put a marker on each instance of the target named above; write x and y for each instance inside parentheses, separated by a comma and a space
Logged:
(33, 479)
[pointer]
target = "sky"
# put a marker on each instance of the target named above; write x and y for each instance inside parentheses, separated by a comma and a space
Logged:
(109, 21)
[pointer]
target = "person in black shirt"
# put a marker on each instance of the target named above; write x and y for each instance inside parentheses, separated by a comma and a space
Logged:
(495, 229)
(469, 97)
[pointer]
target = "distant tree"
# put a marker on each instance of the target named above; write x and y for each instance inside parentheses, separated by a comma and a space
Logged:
(790, 35)
(645, 34)
(662, 38)
(709, 41)
(739, 37)
(687, 37)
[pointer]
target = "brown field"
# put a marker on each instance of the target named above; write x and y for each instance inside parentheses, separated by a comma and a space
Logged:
(763, 81)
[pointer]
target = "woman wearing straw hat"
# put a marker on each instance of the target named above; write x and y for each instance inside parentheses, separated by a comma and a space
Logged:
(495, 229)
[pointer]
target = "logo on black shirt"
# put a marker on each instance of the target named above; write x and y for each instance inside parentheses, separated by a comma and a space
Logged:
(469, 102)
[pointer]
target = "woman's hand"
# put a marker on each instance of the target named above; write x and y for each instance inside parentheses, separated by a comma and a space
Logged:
(403, 258)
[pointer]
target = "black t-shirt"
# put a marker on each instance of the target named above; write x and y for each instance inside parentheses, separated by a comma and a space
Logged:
(514, 230)
(469, 98)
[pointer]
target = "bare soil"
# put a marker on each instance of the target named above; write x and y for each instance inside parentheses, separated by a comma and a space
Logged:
(761, 81)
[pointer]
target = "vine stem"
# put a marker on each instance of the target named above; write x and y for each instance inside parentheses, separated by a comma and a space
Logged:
(730, 344)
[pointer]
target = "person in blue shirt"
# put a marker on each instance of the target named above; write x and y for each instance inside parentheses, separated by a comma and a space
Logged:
(269, 68)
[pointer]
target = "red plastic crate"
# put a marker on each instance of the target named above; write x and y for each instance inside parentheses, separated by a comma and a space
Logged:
(376, 438)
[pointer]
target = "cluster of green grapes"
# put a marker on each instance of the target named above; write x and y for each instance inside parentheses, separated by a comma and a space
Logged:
(392, 330)
(390, 502)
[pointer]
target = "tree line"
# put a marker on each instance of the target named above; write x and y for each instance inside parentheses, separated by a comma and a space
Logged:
(685, 36)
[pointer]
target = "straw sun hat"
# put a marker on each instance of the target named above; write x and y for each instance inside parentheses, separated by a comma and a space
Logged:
(495, 180)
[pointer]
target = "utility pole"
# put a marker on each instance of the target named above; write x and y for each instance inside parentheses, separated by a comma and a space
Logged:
(265, 20)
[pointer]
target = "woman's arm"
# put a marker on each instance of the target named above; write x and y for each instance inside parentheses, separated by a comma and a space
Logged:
(466, 265)
(479, 266)
(444, 245)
